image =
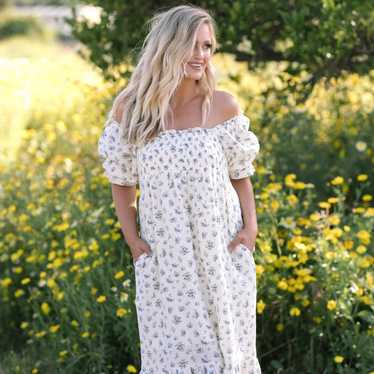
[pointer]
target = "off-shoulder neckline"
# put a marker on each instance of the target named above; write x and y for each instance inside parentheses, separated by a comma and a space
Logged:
(197, 128)
(200, 128)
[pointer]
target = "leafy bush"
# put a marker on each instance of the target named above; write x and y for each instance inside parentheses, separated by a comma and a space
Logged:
(16, 25)
(329, 134)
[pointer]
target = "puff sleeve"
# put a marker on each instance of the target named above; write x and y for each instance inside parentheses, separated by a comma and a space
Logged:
(118, 157)
(240, 146)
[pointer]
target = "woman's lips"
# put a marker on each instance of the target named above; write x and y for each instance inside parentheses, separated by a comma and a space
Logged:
(195, 66)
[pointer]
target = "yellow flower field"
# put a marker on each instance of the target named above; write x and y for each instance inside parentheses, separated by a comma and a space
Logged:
(66, 278)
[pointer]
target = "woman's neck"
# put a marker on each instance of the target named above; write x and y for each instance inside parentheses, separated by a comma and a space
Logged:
(187, 91)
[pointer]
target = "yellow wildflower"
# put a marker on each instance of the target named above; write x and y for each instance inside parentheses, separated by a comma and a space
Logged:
(260, 306)
(94, 290)
(305, 302)
(324, 205)
(54, 328)
(121, 312)
(6, 282)
(315, 217)
(282, 284)
(94, 246)
(358, 210)
(338, 359)
(362, 177)
(289, 180)
(348, 244)
(260, 270)
(364, 236)
(101, 299)
(61, 227)
(294, 311)
(274, 205)
(40, 334)
(366, 300)
(119, 275)
(331, 305)
(337, 180)
(19, 293)
(370, 212)
(333, 219)
(131, 369)
(361, 249)
(363, 263)
(279, 327)
(63, 353)
(74, 323)
(292, 199)
(45, 308)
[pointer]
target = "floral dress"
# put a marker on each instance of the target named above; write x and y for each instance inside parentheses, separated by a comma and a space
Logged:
(195, 300)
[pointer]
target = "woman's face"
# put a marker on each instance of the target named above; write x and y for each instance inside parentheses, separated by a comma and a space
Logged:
(195, 66)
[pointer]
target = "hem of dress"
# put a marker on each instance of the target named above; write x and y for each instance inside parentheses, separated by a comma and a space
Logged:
(188, 370)
(205, 370)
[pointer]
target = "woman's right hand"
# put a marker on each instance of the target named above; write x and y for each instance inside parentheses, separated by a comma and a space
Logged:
(138, 247)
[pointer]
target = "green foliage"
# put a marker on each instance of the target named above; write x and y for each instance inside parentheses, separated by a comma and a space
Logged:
(4, 4)
(15, 25)
(330, 134)
(323, 37)
(44, 2)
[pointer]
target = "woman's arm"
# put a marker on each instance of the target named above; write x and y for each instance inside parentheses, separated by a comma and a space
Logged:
(244, 189)
(247, 235)
(124, 198)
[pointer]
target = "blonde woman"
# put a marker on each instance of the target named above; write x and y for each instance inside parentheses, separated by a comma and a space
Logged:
(189, 148)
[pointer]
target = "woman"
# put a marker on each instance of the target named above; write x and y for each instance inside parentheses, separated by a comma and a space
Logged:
(189, 148)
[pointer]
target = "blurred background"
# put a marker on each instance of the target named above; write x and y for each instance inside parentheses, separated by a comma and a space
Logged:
(304, 74)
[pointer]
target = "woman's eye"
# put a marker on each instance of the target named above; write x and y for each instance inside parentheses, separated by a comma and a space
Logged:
(206, 46)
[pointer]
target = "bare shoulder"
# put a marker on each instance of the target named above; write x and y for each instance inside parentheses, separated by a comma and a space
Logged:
(227, 105)
(117, 113)
(118, 110)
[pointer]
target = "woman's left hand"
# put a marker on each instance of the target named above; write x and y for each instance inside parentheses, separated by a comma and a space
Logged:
(247, 237)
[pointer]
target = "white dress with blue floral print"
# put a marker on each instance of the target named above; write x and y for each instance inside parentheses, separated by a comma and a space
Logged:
(195, 300)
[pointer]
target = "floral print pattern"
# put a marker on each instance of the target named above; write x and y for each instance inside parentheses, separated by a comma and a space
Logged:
(195, 300)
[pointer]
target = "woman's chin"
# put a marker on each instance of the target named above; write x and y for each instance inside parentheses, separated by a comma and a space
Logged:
(195, 75)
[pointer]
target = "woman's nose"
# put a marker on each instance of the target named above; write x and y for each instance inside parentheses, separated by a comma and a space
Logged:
(199, 52)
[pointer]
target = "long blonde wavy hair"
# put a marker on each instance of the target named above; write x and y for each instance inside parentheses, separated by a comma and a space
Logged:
(143, 107)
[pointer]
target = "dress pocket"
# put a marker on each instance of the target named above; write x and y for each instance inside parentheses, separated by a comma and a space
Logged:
(140, 258)
(145, 279)
(244, 252)
(247, 248)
